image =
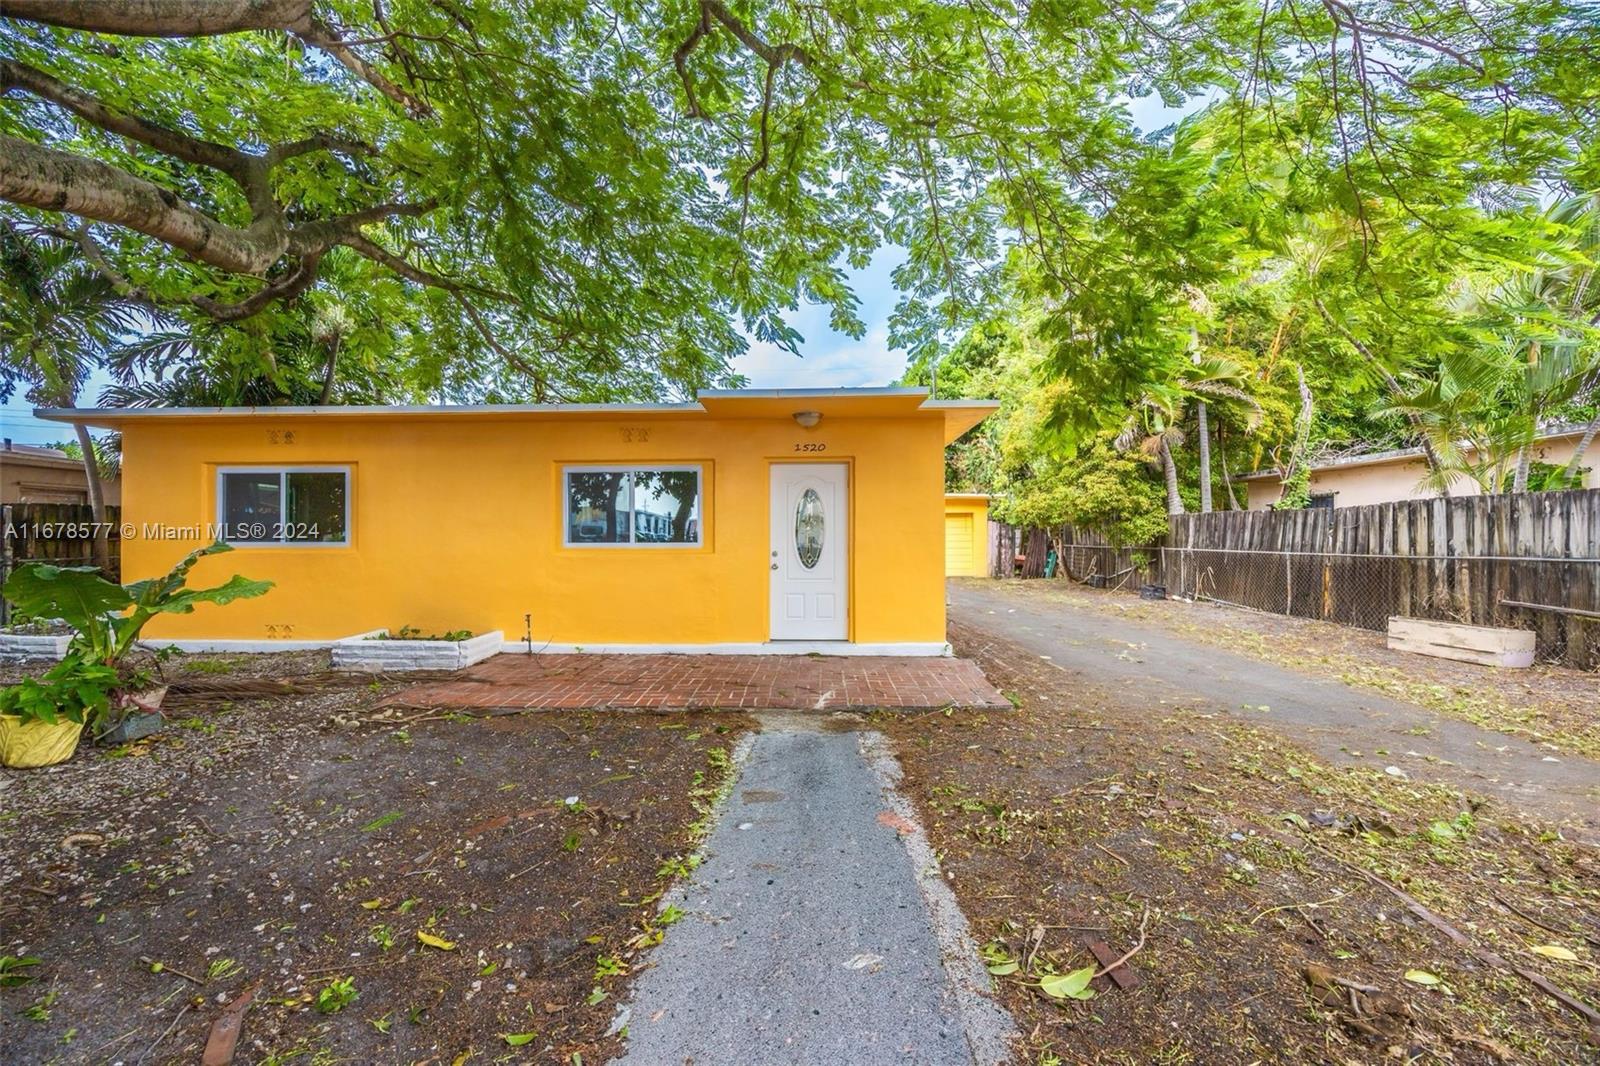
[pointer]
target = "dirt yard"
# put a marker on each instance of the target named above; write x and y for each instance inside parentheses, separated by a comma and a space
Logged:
(1276, 909)
(388, 885)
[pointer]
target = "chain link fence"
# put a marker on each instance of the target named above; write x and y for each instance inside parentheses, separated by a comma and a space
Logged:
(1524, 561)
(1365, 590)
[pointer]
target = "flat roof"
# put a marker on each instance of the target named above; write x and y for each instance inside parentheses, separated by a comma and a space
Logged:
(889, 402)
(1399, 455)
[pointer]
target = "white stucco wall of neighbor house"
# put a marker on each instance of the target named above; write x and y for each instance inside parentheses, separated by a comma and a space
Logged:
(1399, 478)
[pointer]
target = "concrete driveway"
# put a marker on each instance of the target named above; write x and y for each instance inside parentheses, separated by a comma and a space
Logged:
(1342, 724)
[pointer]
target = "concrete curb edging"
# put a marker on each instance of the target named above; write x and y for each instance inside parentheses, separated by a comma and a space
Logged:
(363, 652)
(31, 646)
(988, 1027)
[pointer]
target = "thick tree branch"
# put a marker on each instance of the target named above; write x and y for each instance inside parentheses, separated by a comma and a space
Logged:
(163, 18)
(320, 35)
(323, 234)
(209, 18)
(290, 285)
(680, 60)
(287, 287)
(231, 161)
(775, 55)
(52, 180)
(317, 142)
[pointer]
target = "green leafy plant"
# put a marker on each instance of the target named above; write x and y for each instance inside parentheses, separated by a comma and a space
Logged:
(73, 690)
(382, 936)
(338, 994)
(413, 633)
(13, 969)
(107, 618)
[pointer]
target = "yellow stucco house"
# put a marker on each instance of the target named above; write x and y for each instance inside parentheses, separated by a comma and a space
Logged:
(744, 521)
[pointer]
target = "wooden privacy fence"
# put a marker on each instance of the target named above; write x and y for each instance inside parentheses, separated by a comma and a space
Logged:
(1525, 560)
(61, 533)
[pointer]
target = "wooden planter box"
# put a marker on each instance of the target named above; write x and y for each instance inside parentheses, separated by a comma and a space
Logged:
(364, 652)
(1485, 645)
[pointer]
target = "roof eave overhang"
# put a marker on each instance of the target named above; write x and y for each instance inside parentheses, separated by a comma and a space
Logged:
(957, 416)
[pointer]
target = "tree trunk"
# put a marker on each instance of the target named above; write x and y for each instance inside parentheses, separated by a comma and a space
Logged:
(1519, 480)
(1205, 457)
(1170, 470)
(1570, 474)
(1227, 478)
(97, 498)
(328, 371)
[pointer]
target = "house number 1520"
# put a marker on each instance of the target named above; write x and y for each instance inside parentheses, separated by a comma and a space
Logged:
(810, 446)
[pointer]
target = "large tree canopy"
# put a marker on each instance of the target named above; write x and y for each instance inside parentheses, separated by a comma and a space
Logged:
(578, 200)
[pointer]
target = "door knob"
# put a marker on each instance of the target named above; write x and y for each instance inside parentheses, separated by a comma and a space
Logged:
(774, 566)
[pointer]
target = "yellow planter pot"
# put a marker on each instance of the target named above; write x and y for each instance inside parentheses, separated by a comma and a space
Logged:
(35, 743)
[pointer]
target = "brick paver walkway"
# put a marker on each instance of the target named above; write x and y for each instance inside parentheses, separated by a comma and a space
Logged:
(691, 682)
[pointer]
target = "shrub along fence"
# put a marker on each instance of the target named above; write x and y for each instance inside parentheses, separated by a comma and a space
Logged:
(61, 533)
(1524, 560)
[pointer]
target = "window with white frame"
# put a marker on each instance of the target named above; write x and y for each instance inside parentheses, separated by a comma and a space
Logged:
(284, 505)
(630, 505)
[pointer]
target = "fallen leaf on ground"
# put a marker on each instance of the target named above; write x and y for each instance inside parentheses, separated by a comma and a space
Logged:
(436, 941)
(1074, 985)
(1555, 951)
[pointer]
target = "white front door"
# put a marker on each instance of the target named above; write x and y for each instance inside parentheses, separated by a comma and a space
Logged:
(810, 557)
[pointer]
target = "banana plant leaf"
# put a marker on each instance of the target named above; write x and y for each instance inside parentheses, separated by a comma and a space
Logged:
(77, 595)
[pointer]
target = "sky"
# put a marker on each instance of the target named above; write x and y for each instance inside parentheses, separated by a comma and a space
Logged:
(828, 359)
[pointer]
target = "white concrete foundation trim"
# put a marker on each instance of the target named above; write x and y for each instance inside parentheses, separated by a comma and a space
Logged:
(776, 647)
(520, 647)
(365, 652)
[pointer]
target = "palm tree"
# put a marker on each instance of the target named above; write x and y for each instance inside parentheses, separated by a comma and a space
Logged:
(1154, 426)
(58, 317)
(1543, 353)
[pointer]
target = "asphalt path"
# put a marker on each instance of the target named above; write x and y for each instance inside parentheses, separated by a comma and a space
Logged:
(818, 929)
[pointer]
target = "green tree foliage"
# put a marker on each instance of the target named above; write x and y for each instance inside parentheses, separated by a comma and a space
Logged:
(572, 201)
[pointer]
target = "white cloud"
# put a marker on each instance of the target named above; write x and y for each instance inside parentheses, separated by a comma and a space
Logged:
(831, 361)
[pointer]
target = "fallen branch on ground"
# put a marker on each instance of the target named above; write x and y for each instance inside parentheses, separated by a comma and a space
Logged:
(1131, 952)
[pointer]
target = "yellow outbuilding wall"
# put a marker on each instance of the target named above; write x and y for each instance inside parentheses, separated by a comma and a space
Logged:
(966, 535)
(456, 523)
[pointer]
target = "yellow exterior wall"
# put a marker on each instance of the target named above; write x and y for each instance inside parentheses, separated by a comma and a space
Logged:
(456, 524)
(973, 562)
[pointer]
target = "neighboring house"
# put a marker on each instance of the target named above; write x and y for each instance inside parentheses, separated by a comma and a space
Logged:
(1379, 477)
(746, 521)
(30, 474)
(966, 534)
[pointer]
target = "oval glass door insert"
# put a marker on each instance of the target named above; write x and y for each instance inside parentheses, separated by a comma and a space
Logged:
(808, 523)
